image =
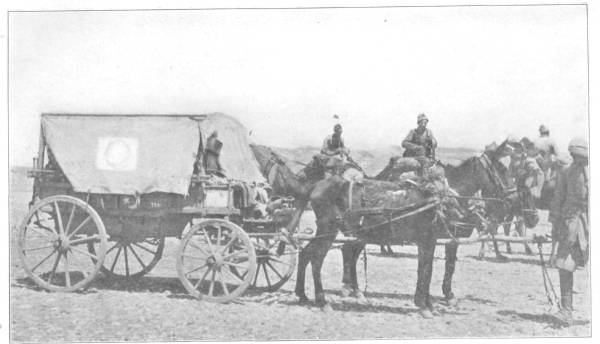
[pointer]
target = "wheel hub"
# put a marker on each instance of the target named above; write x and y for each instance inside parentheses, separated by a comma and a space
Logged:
(62, 243)
(215, 261)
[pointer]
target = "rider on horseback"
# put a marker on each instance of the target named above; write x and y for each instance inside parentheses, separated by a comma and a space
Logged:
(420, 141)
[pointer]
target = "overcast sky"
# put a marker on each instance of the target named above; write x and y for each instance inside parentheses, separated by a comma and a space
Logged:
(479, 73)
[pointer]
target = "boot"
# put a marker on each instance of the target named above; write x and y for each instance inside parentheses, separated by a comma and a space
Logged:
(565, 315)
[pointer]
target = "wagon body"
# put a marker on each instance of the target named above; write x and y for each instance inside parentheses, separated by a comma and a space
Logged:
(114, 182)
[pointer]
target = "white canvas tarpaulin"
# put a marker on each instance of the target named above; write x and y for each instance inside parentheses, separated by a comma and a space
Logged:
(143, 154)
(236, 157)
(123, 154)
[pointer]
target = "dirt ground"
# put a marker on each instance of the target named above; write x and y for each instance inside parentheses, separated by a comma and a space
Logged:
(496, 299)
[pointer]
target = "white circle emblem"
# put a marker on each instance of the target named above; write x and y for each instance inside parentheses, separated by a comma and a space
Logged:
(117, 154)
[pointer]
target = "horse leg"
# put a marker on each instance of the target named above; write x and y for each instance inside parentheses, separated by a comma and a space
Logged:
(495, 242)
(522, 233)
(316, 261)
(506, 227)
(451, 250)
(349, 269)
(303, 260)
(358, 247)
(422, 298)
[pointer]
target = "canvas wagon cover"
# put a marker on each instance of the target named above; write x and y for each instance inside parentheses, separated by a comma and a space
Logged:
(142, 154)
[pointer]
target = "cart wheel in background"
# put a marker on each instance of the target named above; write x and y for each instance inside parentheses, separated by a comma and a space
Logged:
(129, 260)
(276, 262)
(52, 243)
(206, 256)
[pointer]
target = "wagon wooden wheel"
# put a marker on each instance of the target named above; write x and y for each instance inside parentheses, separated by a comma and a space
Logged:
(209, 251)
(52, 240)
(130, 259)
(276, 261)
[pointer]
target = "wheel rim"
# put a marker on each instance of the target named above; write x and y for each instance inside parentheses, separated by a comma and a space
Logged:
(52, 240)
(206, 256)
(275, 260)
(129, 260)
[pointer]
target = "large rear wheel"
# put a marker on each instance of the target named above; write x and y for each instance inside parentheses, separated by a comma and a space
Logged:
(52, 240)
(207, 255)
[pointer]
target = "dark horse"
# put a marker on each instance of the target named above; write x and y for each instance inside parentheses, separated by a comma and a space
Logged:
(504, 202)
(330, 199)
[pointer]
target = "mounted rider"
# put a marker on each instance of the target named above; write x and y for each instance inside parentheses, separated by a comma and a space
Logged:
(420, 141)
(334, 154)
(569, 217)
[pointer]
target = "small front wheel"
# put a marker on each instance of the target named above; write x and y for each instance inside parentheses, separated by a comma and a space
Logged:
(207, 255)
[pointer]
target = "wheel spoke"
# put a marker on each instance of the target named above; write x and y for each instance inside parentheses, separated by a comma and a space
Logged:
(54, 268)
(144, 248)
(43, 260)
(234, 275)
(38, 248)
(67, 272)
(208, 240)
(117, 244)
(264, 266)
(196, 269)
(278, 260)
(193, 257)
(212, 283)
(223, 283)
(80, 226)
(219, 236)
(195, 245)
(37, 230)
(274, 270)
(84, 240)
(137, 257)
(256, 275)
(85, 253)
(231, 241)
(201, 280)
(112, 267)
(61, 230)
(70, 219)
(126, 261)
(238, 266)
(233, 254)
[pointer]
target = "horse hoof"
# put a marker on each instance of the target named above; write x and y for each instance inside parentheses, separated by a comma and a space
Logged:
(452, 302)
(346, 290)
(360, 296)
(302, 300)
(426, 313)
(326, 308)
(434, 311)
(502, 258)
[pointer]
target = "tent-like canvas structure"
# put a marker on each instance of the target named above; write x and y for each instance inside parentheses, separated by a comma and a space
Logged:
(129, 154)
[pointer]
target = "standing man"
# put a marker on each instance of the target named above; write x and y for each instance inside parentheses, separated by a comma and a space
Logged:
(212, 154)
(569, 216)
(420, 141)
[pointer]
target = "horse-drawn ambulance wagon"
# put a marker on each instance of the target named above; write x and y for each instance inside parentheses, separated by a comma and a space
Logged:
(109, 189)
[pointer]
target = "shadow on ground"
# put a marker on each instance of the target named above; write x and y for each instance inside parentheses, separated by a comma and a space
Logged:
(540, 318)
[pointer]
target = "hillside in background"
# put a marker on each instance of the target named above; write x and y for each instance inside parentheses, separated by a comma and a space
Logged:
(373, 160)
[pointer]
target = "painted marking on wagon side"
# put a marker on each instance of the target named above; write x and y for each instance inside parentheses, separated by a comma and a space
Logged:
(117, 153)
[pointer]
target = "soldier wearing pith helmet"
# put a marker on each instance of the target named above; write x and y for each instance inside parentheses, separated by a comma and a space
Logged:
(569, 216)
